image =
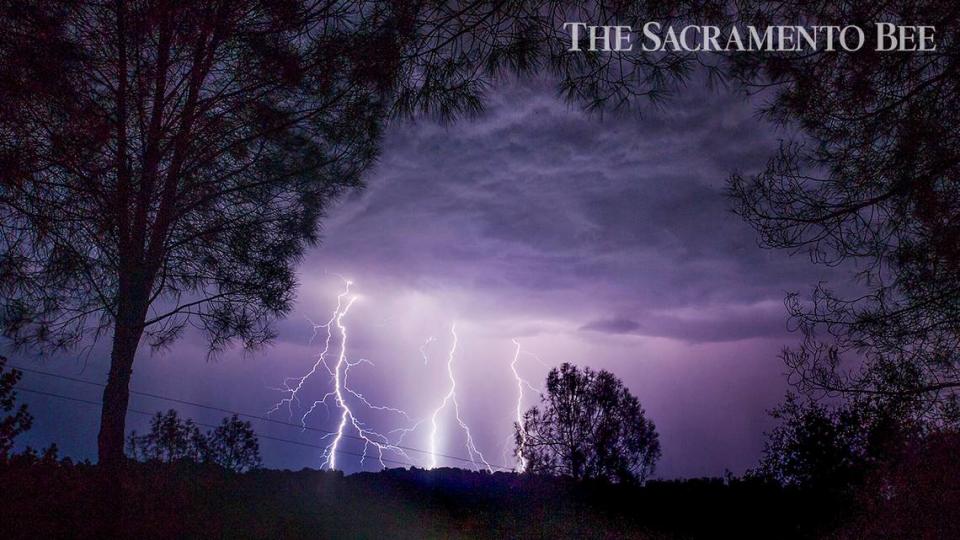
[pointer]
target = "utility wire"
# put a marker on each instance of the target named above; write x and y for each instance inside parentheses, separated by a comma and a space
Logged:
(246, 415)
(278, 439)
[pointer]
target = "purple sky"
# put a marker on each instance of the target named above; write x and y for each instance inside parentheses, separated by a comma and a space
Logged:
(597, 241)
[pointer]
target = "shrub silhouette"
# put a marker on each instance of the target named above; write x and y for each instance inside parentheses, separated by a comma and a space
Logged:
(20, 420)
(233, 445)
(814, 446)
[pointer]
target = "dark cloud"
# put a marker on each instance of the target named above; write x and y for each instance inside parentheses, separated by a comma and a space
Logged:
(612, 326)
(540, 221)
(704, 325)
(537, 196)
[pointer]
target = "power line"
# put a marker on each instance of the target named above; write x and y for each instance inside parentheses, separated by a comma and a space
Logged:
(246, 415)
(268, 437)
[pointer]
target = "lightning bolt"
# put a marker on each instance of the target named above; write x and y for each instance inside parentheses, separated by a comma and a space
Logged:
(342, 393)
(522, 461)
(293, 392)
(521, 383)
(423, 348)
(451, 397)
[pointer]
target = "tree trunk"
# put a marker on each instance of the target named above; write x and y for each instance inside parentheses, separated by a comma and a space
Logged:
(110, 441)
(116, 395)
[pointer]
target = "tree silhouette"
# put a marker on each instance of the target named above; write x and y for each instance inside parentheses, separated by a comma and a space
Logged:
(232, 445)
(813, 446)
(20, 420)
(871, 180)
(170, 439)
(834, 447)
(166, 163)
(588, 425)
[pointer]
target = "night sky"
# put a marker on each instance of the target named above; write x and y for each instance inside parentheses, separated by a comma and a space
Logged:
(600, 241)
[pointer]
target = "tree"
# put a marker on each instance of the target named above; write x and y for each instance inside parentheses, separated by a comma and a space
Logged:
(20, 420)
(814, 446)
(232, 445)
(170, 439)
(167, 163)
(872, 181)
(588, 425)
(835, 446)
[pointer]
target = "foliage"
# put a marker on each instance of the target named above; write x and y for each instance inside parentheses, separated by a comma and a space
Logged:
(870, 181)
(233, 445)
(20, 420)
(913, 497)
(813, 446)
(170, 439)
(588, 425)
(833, 448)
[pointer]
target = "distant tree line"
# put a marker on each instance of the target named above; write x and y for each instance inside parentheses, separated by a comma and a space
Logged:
(232, 445)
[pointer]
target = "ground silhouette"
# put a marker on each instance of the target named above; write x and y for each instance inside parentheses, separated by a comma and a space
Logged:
(43, 497)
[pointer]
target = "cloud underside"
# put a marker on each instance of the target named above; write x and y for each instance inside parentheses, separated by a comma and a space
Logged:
(726, 323)
(538, 209)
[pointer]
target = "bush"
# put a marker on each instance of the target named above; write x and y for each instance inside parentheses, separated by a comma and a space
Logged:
(14, 424)
(233, 445)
